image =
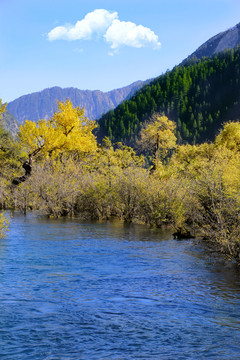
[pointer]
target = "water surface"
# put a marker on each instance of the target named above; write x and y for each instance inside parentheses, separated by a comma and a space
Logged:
(74, 290)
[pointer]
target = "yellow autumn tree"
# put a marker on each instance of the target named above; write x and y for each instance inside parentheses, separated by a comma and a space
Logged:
(158, 136)
(229, 136)
(68, 130)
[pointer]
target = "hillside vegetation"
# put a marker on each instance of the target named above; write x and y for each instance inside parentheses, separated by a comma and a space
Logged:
(199, 97)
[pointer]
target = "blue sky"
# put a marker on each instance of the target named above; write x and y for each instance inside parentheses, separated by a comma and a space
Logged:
(108, 44)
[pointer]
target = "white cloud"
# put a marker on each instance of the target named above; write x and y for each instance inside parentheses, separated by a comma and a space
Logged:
(115, 32)
(129, 34)
(94, 22)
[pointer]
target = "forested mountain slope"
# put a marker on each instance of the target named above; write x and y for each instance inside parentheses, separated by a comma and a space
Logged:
(199, 97)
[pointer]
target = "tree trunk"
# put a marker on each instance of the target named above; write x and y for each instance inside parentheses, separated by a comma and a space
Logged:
(27, 165)
(156, 155)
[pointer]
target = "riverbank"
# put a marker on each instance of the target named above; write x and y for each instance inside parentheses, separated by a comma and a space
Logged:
(193, 189)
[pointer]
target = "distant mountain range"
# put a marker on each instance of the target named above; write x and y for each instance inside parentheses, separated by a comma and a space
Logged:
(42, 104)
(228, 39)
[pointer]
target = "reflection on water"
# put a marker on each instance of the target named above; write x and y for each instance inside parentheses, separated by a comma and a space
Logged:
(78, 290)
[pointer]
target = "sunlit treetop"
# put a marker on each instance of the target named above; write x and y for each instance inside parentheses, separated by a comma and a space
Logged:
(68, 130)
(229, 136)
(158, 137)
(159, 132)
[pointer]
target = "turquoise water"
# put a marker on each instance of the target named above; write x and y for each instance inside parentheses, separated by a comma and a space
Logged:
(72, 290)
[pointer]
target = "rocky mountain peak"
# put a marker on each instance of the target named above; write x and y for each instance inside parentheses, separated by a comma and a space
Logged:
(228, 39)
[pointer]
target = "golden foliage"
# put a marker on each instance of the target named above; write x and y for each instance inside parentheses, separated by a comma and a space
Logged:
(158, 136)
(159, 131)
(229, 136)
(67, 131)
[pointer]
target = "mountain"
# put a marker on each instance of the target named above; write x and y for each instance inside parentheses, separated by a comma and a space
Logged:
(40, 105)
(228, 39)
(10, 123)
(199, 97)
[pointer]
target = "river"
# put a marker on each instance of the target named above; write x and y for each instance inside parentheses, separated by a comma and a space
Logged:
(73, 290)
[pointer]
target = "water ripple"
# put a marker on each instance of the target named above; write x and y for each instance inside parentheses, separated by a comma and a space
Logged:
(71, 290)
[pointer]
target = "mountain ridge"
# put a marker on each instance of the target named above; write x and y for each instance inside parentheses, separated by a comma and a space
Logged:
(222, 41)
(42, 104)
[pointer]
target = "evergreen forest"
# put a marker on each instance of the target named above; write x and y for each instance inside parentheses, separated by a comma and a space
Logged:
(199, 97)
